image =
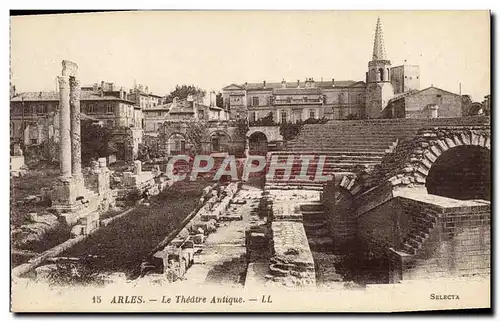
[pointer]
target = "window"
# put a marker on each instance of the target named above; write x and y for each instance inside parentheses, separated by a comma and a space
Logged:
(158, 126)
(438, 95)
(283, 117)
(110, 123)
(109, 108)
(158, 114)
(252, 116)
(41, 109)
(305, 99)
(312, 114)
(255, 101)
(360, 98)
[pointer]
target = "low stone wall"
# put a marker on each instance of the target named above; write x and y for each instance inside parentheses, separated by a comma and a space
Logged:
(178, 254)
(456, 244)
(426, 236)
(291, 263)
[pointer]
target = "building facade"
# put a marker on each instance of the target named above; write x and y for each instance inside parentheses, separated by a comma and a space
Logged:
(383, 84)
(34, 115)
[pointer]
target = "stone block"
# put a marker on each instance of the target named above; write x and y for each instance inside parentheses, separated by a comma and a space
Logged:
(450, 142)
(429, 155)
(442, 145)
(102, 162)
(137, 167)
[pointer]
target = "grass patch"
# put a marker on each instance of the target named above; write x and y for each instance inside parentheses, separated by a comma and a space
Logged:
(27, 185)
(122, 245)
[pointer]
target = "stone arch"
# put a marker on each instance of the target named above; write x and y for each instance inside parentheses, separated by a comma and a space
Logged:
(257, 142)
(221, 133)
(220, 141)
(176, 142)
(476, 108)
(461, 172)
(433, 152)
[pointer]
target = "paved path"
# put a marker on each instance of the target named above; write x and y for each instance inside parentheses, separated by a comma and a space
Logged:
(222, 258)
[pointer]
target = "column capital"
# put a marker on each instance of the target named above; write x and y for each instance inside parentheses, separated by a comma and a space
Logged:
(63, 82)
(69, 68)
(74, 82)
(74, 85)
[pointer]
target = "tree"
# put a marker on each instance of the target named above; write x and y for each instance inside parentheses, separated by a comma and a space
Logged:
(196, 132)
(94, 139)
(183, 91)
(241, 128)
(265, 121)
(219, 101)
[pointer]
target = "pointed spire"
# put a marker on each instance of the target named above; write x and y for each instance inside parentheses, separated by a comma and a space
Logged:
(378, 44)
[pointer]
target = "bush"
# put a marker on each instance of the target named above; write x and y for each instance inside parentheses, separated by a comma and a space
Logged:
(265, 121)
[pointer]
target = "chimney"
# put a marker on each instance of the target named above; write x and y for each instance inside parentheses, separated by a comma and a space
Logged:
(298, 83)
(40, 94)
(333, 82)
(102, 89)
(264, 84)
(283, 84)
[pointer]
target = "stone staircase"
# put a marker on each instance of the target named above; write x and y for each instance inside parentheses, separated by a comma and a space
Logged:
(316, 225)
(420, 228)
(349, 146)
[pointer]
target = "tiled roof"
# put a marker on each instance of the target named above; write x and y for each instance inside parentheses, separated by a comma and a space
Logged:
(414, 91)
(181, 107)
(298, 91)
(270, 86)
(54, 97)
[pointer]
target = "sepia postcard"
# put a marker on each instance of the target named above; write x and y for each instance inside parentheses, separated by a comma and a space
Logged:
(250, 161)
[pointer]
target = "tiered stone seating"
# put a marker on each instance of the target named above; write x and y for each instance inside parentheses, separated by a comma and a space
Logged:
(351, 145)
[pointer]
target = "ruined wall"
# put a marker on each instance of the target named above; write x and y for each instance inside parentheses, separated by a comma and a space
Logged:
(381, 228)
(411, 160)
(459, 245)
(450, 105)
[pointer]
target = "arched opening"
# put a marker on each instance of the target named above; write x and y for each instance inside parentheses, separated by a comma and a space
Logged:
(381, 72)
(176, 144)
(461, 173)
(475, 109)
(388, 75)
(219, 142)
(258, 143)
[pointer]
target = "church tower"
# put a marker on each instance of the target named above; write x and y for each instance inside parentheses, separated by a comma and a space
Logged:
(379, 89)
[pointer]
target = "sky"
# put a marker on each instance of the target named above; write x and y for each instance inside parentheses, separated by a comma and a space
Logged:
(212, 49)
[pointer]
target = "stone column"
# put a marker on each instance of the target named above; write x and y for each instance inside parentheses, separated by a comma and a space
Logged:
(247, 146)
(64, 127)
(76, 153)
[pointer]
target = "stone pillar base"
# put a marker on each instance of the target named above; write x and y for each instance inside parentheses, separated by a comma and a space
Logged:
(64, 196)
